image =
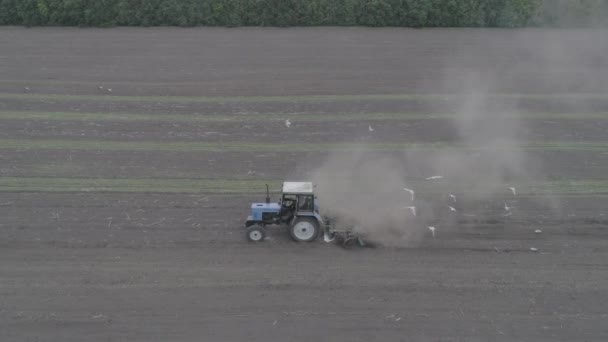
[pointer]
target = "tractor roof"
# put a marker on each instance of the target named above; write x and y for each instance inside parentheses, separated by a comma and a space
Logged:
(297, 188)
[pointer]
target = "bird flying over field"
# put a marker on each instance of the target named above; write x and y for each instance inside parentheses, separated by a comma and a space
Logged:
(513, 191)
(432, 229)
(411, 192)
(413, 209)
(371, 129)
(452, 197)
(287, 123)
(452, 208)
(434, 177)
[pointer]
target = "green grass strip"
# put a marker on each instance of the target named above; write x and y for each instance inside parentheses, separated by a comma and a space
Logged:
(132, 185)
(293, 98)
(278, 117)
(38, 184)
(46, 144)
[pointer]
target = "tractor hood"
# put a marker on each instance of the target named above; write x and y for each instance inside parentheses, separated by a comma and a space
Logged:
(259, 209)
(266, 207)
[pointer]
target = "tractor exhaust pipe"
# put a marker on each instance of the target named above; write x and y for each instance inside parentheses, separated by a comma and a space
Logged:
(267, 195)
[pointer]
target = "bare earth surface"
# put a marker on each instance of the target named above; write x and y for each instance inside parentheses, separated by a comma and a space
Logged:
(89, 265)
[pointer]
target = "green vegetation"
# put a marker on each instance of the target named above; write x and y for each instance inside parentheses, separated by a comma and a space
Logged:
(407, 13)
(77, 144)
(412, 13)
(222, 99)
(228, 186)
(279, 117)
(132, 185)
(296, 98)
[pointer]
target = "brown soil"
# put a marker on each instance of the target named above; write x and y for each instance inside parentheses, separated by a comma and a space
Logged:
(146, 267)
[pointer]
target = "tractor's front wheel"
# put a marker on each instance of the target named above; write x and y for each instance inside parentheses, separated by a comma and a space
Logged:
(304, 229)
(256, 233)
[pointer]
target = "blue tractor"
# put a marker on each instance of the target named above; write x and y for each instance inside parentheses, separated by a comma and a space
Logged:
(297, 210)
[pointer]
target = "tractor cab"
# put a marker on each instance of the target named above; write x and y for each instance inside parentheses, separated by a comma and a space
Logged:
(298, 199)
(296, 209)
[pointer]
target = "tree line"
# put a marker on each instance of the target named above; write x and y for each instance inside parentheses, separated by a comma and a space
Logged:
(405, 13)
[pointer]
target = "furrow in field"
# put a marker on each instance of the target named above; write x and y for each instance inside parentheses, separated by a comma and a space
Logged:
(301, 130)
(273, 165)
(303, 98)
(88, 144)
(286, 104)
(299, 117)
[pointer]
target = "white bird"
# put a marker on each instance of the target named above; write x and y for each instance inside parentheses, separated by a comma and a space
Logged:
(452, 197)
(100, 87)
(432, 229)
(538, 231)
(513, 191)
(411, 192)
(26, 89)
(109, 90)
(533, 249)
(507, 208)
(371, 129)
(452, 208)
(287, 123)
(413, 209)
(434, 177)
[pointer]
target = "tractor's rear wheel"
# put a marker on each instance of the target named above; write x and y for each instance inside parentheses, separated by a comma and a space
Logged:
(256, 233)
(304, 229)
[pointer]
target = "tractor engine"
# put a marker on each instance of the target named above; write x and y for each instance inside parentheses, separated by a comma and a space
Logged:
(265, 212)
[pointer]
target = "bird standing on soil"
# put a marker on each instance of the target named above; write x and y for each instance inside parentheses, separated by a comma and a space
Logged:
(411, 193)
(287, 123)
(413, 209)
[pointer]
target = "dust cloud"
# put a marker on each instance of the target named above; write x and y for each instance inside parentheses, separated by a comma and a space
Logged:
(364, 189)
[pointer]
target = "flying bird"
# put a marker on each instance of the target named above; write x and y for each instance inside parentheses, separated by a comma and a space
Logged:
(452, 197)
(100, 87)
(371, 129)
(109, 90)
(452, 208)
(432, 229)
(287, 123)
(513, 191)
(26, 89)
(507, 208)
(434, 177)
(411, 192)
(413, 209)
